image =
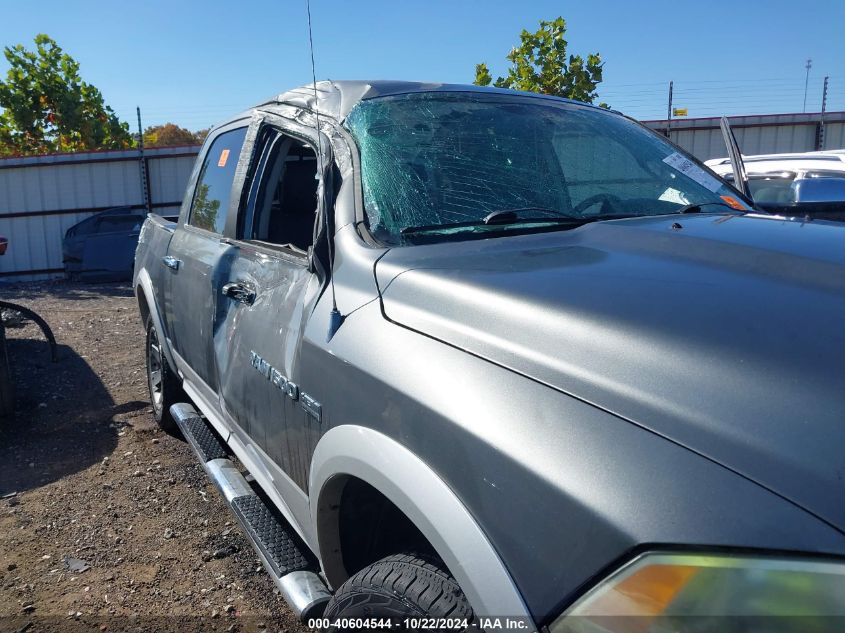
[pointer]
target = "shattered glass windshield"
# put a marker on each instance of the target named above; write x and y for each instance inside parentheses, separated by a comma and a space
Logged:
(443, 162)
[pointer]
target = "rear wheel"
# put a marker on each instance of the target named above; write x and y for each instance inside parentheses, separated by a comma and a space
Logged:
(401, 586)
(164, 385)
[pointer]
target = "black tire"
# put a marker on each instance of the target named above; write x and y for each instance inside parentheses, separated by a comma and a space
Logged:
(164, 385)
(400, 586)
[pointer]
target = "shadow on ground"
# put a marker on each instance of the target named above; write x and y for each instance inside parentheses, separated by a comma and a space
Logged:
(64, 290)
(63, 417)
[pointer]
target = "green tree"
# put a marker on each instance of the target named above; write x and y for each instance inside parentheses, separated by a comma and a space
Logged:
(539, 64)
(170, 134)
(48, 108)
(204, 211)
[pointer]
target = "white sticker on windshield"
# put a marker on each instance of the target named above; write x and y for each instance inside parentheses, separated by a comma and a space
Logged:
(692, 171)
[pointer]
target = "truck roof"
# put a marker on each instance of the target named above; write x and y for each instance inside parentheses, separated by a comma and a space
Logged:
(337, 98)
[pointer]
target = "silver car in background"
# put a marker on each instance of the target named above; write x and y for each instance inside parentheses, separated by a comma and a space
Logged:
(811, 183)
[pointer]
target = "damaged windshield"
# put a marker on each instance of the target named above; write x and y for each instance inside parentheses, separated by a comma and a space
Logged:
(453, 163)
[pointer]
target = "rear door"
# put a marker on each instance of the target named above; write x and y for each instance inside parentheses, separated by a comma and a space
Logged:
(194, 255)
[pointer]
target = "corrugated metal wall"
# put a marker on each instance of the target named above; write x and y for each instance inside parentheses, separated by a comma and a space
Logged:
(42, 196)
(764, 134)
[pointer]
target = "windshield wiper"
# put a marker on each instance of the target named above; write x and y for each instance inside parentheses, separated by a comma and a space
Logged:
(509, 219)
(696, 207)
(499, 222)
(509, 216)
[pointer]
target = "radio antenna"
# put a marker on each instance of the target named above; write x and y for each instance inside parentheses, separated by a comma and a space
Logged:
(335, 318)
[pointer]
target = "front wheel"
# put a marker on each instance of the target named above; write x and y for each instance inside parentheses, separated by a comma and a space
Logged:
(163, 383)
(403, 587)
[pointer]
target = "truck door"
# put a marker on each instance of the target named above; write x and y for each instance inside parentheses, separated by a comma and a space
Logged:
(268, 293)
(193, 257)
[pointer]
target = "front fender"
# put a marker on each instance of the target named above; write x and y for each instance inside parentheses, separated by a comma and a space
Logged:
(423, 497)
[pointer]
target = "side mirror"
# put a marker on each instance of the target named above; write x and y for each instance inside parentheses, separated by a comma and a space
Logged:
(4, 243)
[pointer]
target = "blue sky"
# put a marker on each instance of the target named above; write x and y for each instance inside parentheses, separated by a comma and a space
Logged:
(195, 63)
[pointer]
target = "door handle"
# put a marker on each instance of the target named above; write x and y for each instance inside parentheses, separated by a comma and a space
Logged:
(171, 262)
(239, 291)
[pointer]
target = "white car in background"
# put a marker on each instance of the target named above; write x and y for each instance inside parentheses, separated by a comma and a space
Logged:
(780, 181)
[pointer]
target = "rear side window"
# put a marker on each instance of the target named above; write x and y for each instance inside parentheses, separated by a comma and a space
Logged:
(214, 185)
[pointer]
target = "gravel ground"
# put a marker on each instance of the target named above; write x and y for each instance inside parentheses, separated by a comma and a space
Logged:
(106, 523)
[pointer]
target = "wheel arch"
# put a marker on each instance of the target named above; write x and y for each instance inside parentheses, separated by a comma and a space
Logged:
(147, 306)
(351, 451)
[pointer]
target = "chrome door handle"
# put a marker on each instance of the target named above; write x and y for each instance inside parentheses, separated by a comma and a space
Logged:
(239, 291)
(171, 262)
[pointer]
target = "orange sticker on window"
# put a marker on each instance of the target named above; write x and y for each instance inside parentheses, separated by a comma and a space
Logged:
(733, 203)
(224, 156)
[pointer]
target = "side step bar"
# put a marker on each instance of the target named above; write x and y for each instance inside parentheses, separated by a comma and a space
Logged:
(287, 560)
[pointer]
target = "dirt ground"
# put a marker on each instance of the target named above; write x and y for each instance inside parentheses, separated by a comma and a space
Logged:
(107, 523)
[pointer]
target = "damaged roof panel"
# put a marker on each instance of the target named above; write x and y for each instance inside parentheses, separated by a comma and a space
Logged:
(337, 98)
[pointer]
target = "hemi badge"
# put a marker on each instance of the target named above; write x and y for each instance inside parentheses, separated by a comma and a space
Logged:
(311, 406)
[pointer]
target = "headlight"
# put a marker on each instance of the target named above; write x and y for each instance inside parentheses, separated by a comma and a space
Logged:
(720, 592)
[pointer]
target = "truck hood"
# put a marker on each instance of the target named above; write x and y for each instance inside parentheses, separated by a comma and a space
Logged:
(725, 334)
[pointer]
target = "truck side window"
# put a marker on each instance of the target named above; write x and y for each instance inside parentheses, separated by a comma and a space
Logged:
(282, 204)
(214, 185)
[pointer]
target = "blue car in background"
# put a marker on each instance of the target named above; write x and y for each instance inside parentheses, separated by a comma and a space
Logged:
(102, 247)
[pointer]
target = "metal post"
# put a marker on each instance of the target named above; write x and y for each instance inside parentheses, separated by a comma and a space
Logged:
(820, 144)
(142, 163)
(807, 82)
(669, 112)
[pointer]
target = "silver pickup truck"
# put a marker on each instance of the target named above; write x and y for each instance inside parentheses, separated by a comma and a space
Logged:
(472, 357)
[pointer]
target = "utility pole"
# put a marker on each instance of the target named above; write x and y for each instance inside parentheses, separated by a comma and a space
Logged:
(820, 144)
(669, 112)
(807, 82)
(142, 163)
